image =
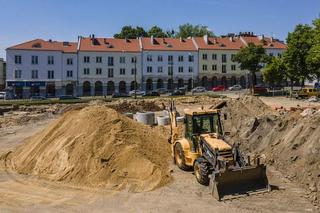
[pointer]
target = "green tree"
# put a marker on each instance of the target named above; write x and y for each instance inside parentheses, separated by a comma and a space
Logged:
(252, 58)
(130, 32)
(157, 32)
(189, 30)
(275, 71)
(313, 58)
(299, 43)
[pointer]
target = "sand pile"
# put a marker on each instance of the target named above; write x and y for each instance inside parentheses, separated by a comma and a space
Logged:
(290, 142)
(96, 147)
(134, 106)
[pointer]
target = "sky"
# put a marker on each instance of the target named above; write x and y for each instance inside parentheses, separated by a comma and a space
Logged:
(64, 20)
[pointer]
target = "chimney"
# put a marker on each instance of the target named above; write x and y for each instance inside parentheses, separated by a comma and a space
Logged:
(205, 37)
(271, 39)
(262, 37)
(152, 40)
(215, 41)
(181, 40)
(231, 39)
(50, 40)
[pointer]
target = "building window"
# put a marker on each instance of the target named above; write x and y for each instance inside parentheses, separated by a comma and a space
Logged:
(191, 58)
(270, 54)
(180, 69)
(69, 73)
(214, 67)
(122, 60)
(50, 60)
(134, 60)
(86, 71)
(122, 71)
(160, 69)
(160, 58)
(149, 69)
(98, 59)
(69, 61)
(34, 74)
(170, 58)
(190, 69)
(17, 74)
(170, 70)
(224, 68)
(17, 59)
(180, 58)
(233, 57)
(204, 67)
(133, 71)
(233, 67)
(214, 57)
(110, 73)
(34, 59)
(50, 74)
(86, 59)
(98, 71)
(224, 58)
(110, 61)
(204, 56)
(149, 57)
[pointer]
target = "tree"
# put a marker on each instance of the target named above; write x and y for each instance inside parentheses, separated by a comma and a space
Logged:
(157, 32)
(252, 58)
(299, 43)
(130, 32)
(313, 58)
(189, 30)
(275, 71)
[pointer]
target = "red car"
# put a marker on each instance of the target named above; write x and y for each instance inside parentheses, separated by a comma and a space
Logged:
(218, 88)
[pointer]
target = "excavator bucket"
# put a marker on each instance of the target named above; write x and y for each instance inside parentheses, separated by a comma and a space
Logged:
(234, 183)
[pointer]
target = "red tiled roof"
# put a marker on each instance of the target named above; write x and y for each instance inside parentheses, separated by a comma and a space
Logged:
(224, 43)
(168, 44)
(42, 45)
(266, 42)
(109, 45)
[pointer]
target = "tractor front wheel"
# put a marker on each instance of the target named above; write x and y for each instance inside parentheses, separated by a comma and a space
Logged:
(201, 171)
(179, 157)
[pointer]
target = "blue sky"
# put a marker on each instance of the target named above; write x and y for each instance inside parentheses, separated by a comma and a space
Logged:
(23, 20)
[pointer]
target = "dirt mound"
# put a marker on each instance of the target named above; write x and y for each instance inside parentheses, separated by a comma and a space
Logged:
(133, 106)
(290, 142)
(96, 147)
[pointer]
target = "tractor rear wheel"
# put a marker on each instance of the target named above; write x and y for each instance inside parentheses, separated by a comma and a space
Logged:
(201, 171)
(179, 157)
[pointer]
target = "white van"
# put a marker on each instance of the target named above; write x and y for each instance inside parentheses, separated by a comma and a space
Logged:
(2, 95)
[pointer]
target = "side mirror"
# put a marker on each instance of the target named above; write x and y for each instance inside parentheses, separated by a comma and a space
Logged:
(225, 116)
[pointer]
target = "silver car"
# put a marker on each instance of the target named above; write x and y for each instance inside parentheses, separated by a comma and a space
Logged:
(198, 89)
(236, 87)
(138, 92)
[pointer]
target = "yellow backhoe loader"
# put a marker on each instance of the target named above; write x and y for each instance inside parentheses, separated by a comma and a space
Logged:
(215, 162)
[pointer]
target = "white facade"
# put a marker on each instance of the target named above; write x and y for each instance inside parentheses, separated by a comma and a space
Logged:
(2, 74)
(115, 77)
(44, 76)
(156, 67)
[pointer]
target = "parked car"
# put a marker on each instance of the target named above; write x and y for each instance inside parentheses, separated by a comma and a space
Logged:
(260, 90)
(2, 95)
(138, 92)
(236, 87)
(162, 91)
(218, 88)
(177, 92)
(37, 98)
(198, 90)
(183, 89)
(120, 95)
(151, 93)
(68, 97)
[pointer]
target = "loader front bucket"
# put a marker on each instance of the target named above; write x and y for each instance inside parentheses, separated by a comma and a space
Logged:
(239, 182)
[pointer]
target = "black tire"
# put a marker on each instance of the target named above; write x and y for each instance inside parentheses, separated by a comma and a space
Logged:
(201, 171)
(179, 157)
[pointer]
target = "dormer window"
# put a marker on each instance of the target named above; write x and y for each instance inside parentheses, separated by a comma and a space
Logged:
(36, 45)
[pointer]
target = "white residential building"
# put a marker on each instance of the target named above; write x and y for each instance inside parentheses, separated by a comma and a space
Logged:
(2, 74)
(39, 67)
(168, 63)
(108, 65)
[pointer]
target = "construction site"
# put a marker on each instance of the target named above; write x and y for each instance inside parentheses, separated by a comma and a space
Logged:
(101, 156)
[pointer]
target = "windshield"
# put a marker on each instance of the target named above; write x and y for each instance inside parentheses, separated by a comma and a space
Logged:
(203, 124)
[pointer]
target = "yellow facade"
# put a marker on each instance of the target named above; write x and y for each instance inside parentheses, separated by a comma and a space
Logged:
(213, 70)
